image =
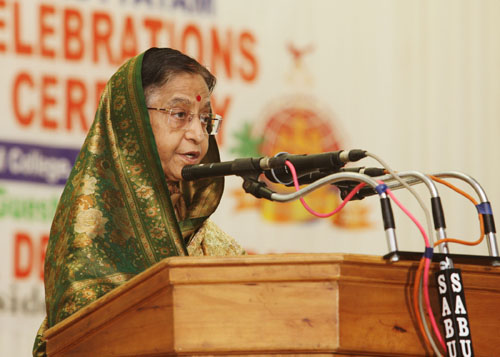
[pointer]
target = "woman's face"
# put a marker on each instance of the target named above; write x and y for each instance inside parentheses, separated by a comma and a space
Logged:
(189, 145)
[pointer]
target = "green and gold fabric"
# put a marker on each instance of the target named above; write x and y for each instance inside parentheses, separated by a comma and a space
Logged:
(116, 217)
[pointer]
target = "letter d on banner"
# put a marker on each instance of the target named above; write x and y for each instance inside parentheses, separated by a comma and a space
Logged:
(454, 313)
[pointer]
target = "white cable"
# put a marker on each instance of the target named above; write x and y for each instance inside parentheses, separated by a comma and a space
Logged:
(429, 233)
(413, 192)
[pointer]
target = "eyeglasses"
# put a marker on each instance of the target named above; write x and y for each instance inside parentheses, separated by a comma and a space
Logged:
(180, 119)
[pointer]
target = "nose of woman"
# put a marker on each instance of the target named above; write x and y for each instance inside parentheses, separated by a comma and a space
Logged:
(196, 131)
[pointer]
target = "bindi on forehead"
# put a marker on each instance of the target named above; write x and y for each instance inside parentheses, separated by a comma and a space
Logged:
(198, 98)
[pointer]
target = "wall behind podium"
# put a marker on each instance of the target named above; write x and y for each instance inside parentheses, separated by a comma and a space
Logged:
(416, 82)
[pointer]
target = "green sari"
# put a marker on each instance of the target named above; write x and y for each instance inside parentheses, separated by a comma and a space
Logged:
(115, 217)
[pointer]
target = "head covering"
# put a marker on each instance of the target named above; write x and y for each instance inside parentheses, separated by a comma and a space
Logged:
(115, 217)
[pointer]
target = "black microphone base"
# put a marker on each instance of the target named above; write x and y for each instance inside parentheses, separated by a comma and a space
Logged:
(484, 260)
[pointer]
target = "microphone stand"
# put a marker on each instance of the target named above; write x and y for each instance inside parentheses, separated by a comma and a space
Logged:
(484, 208)
(437, 208)
(259, 189)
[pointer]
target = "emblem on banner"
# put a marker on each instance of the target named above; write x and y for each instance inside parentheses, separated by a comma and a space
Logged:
(297, 124)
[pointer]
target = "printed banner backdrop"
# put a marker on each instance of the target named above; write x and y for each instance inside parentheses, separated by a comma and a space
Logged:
(416, 83)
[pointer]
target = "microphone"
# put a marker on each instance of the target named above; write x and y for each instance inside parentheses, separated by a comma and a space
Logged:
(239, 167)
(314, 176)
(329, 163)
(274, 167)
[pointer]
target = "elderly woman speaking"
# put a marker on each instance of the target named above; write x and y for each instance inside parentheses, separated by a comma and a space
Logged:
(125, 206)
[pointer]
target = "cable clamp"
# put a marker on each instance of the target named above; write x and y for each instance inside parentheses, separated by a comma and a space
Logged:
(381, 188)
(484, 208)
(287, 170)
(429, 252)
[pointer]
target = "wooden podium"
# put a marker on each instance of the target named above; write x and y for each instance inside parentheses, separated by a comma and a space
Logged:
(294, 304)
